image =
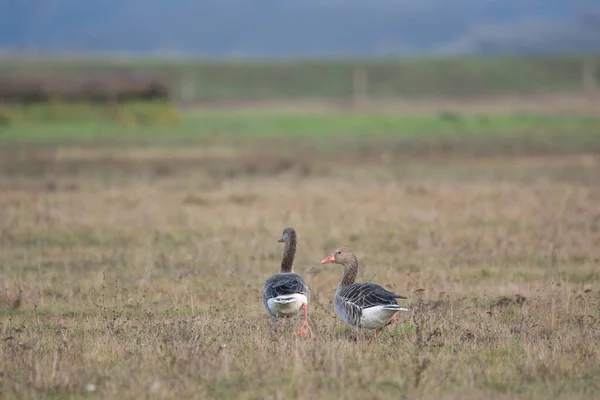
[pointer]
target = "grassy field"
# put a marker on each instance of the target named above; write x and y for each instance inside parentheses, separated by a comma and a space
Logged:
(132, 259)
(331, 79)
(364, 133)
(39, 116)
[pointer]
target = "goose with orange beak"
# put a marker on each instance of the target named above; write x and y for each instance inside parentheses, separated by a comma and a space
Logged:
(362, 305)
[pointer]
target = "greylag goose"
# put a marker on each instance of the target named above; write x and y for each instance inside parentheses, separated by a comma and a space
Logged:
(362, 305)
(286, 293)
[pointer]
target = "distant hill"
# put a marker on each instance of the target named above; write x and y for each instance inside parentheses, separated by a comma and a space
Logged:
(298, 28)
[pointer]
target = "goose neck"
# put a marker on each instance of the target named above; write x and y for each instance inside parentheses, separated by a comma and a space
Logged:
(350, 272)
(289, 252)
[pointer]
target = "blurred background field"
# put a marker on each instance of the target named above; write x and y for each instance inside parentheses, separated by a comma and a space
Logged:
(142, 194)
(233, 81)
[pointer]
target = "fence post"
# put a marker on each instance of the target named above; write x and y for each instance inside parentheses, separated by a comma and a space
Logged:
(588, 78)
(360, 87)
(187, 89)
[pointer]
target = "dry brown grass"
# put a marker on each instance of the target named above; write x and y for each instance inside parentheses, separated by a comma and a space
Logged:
(140, 282)
(540, 104)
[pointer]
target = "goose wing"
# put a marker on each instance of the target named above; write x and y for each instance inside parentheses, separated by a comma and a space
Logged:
(365, 295)
(285, 284)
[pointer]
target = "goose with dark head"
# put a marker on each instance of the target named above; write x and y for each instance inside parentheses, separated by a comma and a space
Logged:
(286, 293)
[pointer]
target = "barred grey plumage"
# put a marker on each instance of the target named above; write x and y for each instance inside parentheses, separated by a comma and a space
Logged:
(351, 300)
(281, 285)
(286, 293)
(362, 305)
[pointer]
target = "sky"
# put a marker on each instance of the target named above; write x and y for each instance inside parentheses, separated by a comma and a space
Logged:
(301, 28)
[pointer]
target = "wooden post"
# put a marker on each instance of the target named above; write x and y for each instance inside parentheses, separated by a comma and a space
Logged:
(588, 78)
(360, 87)
(188, 89)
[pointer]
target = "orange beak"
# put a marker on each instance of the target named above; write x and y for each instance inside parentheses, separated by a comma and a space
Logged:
(281, 241)
(329, 260)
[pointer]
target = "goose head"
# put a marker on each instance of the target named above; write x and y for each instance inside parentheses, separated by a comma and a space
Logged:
(287, 235)
(342, 255)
